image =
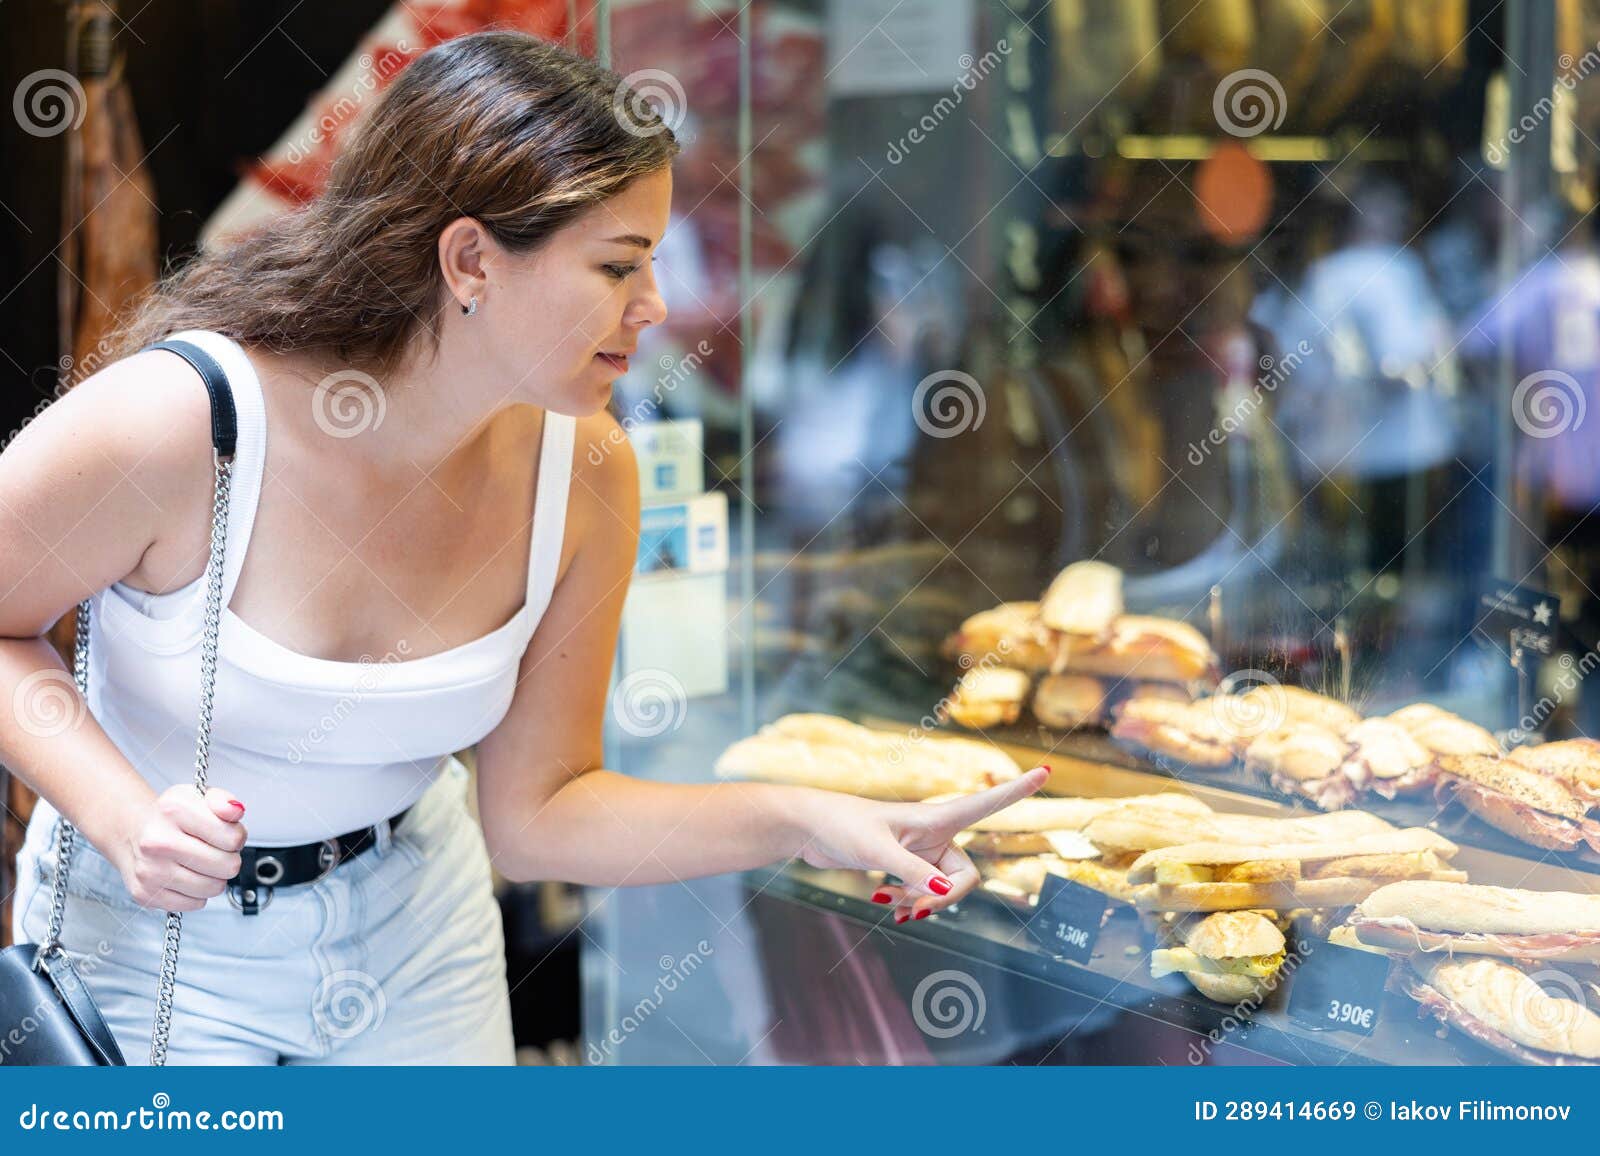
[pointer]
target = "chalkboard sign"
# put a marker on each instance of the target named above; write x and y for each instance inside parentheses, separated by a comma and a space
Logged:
(1068, 920)
(1338, 989)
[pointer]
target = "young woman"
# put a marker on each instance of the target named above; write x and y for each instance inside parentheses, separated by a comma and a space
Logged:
(479, 271)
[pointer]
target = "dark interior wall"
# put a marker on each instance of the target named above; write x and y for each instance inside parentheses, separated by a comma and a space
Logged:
(214, 83)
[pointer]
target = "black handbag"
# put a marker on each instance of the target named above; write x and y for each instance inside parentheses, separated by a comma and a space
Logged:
(47, 1016)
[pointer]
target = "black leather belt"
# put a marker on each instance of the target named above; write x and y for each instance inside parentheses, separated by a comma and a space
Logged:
(264, 869)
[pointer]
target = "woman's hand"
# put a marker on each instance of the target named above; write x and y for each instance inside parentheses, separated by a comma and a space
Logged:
(182, 849)
(910, 840)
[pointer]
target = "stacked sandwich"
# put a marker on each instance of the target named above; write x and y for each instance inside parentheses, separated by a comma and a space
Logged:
(1498, 963)
(818, 750)
(1071, 654)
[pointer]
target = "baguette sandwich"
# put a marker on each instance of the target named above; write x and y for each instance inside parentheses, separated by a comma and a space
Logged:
(1220, 876)
(1083, 600)
(1120, 832)
(1505, 1008)
(1046, 826)
(1140, 647)
(1444, 733)
(835, 754)
(1387, 759)
(1188, 732)
(1304, 759)
(1471, 919)
(1010, 632)
(1068, 701)
(1536, 808)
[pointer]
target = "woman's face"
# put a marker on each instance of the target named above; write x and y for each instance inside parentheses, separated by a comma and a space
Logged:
(551, 315)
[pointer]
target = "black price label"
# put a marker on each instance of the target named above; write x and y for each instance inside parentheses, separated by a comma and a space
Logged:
(1338, 989)
(1524, 616)
(1068, 920)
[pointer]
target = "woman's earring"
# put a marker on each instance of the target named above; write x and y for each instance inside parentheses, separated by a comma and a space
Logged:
(470, 309)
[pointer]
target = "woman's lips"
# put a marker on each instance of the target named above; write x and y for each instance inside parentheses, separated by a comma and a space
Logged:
(616, 361)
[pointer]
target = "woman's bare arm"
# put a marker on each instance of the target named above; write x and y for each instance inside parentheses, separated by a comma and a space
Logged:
(551, 811)
(85, 489)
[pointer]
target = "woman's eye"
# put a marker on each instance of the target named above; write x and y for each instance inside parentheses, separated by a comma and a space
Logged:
(621, 272)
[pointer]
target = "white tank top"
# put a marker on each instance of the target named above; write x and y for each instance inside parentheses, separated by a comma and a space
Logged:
(313, 747)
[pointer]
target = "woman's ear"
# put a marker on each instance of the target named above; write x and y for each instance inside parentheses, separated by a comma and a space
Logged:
(463, 247)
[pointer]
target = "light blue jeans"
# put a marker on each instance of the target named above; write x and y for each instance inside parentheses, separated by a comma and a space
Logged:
(396, 957)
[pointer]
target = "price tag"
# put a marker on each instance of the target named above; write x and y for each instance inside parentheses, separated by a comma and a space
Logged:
(1068, 919)
(1338, 989)
(1525, 617)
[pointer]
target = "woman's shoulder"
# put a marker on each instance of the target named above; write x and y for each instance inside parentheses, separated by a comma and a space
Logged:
(606, 472)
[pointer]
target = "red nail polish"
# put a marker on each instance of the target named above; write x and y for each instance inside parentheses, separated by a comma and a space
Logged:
(902, 917)
(237, 803)
(939, 885)
(1046, 766)
(923, 914)
(881, 897)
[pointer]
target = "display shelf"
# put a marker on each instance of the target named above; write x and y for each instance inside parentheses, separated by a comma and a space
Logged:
(994, 934)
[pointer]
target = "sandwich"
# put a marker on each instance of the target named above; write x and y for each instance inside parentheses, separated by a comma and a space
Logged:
(1444, 733)
(1295, 704)
(1576, 762)
(1471, 919)
(1107, 878)
(1221, 876)
(1143, 647)
(988, 696)
(1229, 957)
(1538, 809)
(1187, 732)
(1117, 832)
(1304, 759)
(1068, 701)
(1503, 1007)
(1015, 880)
(817, 750)
(1387, 759)
(1054, 826)
(1083, 600)
(1011, 631)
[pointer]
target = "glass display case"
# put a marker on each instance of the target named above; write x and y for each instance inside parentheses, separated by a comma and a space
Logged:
(1285, 312)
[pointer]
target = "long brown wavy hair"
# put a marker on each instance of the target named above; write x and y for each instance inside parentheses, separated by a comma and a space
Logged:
(500, 126)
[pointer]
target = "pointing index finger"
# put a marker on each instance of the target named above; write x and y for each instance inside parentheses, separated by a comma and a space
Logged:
(962, 813)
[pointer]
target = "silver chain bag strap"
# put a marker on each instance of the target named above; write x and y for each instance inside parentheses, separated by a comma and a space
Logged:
(224, 438)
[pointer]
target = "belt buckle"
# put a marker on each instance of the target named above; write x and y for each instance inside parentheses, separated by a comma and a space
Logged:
(327, 858)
